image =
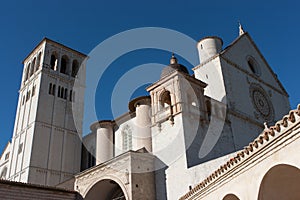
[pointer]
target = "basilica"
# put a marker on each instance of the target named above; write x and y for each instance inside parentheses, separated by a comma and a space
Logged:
(224, 132)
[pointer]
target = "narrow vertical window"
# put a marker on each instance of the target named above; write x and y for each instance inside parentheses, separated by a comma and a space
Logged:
(208, 109)
(50, 88)
(64, 65)
(62, 92)
(75, 68)
(70, 95)
(20, 148)
(32, 67)
(28, 95)
(23, 99)
(58, 93)
(53, 62)
(66, 93)
(27, 72)
(33, 91)
(38, 61)
(53, 90)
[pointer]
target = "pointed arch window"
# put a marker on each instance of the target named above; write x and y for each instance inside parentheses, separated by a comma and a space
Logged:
(75, 68)
(32, 67)
(38, 61)
(53, 62)
(27, 72)
(64, 65)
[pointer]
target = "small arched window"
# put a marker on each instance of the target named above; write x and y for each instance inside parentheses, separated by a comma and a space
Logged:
(32, 67)
(166, 99)
(253, 66)
(38, 61)
(64, 65)
(53, 62)
(27, 72)
(75, 68)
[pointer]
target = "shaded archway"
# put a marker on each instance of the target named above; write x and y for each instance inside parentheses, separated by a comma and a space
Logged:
(280, 182)
(106, 190)
(165, 99)
(231, 197)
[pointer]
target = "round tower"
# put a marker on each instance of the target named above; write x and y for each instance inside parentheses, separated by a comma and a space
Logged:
(209, 47)
(142, 108)
(104, 140)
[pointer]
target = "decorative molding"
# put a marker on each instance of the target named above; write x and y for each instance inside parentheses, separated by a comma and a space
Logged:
(281, 129)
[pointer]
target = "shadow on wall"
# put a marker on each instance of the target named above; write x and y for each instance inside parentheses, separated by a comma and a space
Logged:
(280, 182)
(160, 180)
(224, 145)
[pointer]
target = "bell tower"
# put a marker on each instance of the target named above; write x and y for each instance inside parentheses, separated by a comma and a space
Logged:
(46, 145)
(177, 102)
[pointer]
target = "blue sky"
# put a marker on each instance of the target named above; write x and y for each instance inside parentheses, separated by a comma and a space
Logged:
(82, 25)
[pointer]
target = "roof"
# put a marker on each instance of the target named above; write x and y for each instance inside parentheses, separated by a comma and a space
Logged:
(288, 121)
(29, 185)
(173, 66)
(45, 39)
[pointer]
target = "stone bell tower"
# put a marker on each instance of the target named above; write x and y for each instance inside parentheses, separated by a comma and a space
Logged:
(46, 145)
(177, 101)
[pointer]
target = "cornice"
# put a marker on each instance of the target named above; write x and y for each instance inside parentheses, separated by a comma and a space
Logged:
(281, 129)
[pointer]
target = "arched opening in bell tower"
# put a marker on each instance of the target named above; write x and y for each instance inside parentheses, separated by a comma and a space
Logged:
(165, 99)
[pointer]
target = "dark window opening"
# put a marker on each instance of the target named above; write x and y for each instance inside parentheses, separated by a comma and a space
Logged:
(75, 68)
(38, 61)
(208, 109)
(33, 91)
(58, 93)
(53, 62)
(63, 65)
(166, 99)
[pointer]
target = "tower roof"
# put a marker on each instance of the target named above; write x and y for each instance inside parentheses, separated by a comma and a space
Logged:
(45, 39)
(174, 66)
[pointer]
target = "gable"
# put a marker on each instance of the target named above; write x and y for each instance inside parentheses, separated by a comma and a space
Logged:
(245, 55)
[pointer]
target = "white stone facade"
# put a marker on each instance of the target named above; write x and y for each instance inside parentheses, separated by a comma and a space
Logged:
(165, 145)
(45, 146)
